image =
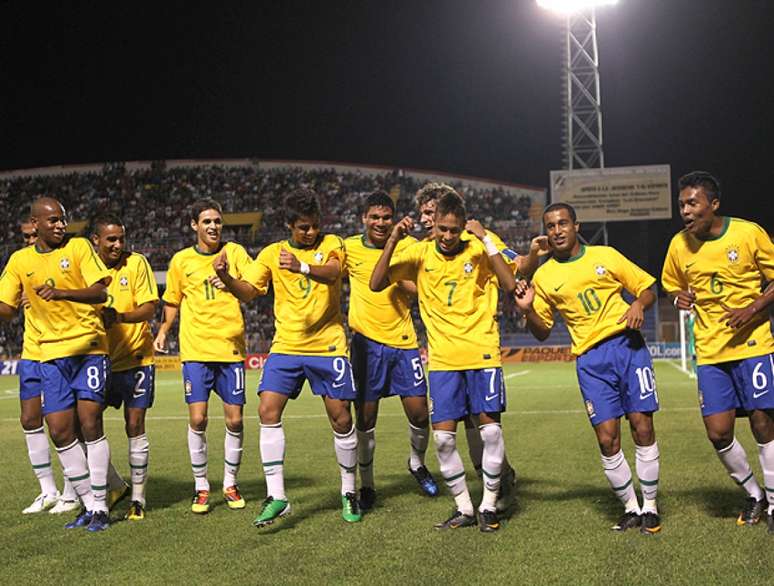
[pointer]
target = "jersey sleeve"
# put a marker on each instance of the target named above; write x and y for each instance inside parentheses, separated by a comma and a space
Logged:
(240, 260)
(10, 284)
(405, 264)
(764, 253)
(542, 306)
(91, 266)
(258, 272)
(335, 249)
(145, 288)
(633, 278)
(672, 278)
(174, 291)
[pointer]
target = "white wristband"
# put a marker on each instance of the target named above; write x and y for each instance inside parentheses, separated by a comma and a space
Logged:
(491, 249)
(304, 268)
(674, 301)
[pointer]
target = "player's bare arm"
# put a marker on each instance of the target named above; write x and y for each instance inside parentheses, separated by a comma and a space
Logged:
(524, 295)
(93, 295)
(635, 315)
(326, 274)
(505, 277)
(740, 317)
(409, 287)
(170, 314)
(7, 313)
(240, 289)
(538, 248)
(138, 315)
(684, 300)
(379, 279)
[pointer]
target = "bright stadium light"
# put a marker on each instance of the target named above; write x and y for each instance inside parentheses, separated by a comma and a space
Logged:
(570, 6)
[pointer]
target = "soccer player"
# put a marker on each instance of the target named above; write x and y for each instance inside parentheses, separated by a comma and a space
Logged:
(31, 418)
(132, 298)
(63, 281)
(309, 344)
(453, 278)
(385, 357)
(614, 368)
(212, 346)
(715, 267)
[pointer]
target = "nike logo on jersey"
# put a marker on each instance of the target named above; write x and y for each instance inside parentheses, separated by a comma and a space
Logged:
(137, 395)
(758, 395)
(30, 274)
(646, 396)
(688, 265)
(189, 274)
(490, 397)
(336, 386)
(428, 270)
(237, 392)
(559, 287)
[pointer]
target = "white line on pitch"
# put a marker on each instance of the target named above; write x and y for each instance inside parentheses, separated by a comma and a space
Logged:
(520, 373)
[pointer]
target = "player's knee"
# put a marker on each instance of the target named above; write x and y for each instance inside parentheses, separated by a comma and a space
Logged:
(198, 421)
(31, 421)
(366, 421)
(341, 421)
(234, 423)
(491, 433)
(644, 436)
(609, 444)
(762, 427)
(720, 438)
(268, 414)
(445, 441)
(134, 428)
(420, 421)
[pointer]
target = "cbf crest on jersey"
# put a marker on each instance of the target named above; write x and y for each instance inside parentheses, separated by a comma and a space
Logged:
(600, 270)
(123, 281)
(64, 264)
(318, 257)
(590, 409)
(468, 268)
(732, 254)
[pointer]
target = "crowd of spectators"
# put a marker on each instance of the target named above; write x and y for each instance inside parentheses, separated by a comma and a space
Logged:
(153, 202)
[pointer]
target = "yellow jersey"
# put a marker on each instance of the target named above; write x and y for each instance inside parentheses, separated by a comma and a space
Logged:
(307, 314)
(384, 316)
(727, 269)
(31, 345)
(132, 285)
(66, 328)
(211, 325)
(455, 302)
(586, 290)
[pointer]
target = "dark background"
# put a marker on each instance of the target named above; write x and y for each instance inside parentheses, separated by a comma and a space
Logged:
(466, 87)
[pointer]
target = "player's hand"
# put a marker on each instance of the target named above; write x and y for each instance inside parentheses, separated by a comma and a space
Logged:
(634, 316)
(524, 295)
(475, 228)
(48, 293)
(289, 262)
(109, 317)
(402, 228)
(540, 246)
(215, 281)
(738, 318)
(684, 300)
(220, 265)
(24, 301)
(160, 342)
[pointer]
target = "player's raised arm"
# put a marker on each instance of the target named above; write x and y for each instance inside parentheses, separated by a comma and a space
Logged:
(326, 274)
(505, 276)
(240, 289)
(524, 295)
(379, 278)
(538, 248)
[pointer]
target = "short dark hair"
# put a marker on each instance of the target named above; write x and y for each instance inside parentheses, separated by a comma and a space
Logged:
(103, 220)
(25, 219)
(432, 191)
(378, 198)
(202, 205)
(701, 179)
(451, 203)
(301, 202)
(560, 205)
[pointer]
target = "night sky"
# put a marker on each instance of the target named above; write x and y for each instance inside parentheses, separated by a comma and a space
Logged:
(463, 86)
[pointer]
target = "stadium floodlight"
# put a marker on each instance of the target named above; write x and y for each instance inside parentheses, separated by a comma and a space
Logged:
(570, 6)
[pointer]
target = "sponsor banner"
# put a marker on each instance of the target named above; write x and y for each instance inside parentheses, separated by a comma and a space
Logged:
(8, 367)
(615, 194)
(255, 361)
(664, 350)
(165, 362)
(537, 354)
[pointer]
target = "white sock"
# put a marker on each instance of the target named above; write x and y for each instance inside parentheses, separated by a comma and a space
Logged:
(647, 466)
(197, 449)
(114, 479)
(68, 492)
(272, 442)
(766, 456)
(452, 470)
(492, 463)
(76, 468)
(418, 439)
(366, 444)
(40, 458)
(232, 450)
(475, 447)
(734, 458)
(139, 450)
(98, 453)
(619, 475)
(346, 455)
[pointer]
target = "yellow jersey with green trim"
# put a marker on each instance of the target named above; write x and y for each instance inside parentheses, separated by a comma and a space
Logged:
(31, 345)
(211, 325)
(66, 328)
(307, 313)
(730, 270)
(455, 302)
(384, 317)
(586, 291)
(133, 284)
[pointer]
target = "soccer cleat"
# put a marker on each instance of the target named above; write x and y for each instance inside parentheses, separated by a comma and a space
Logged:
(116, 495)
(350, 508)
(99, 521)
(505, 495)
(234, 498)
(271, 510)
(42, 502)
(628, 520)
(367, 498)
(64, 506)
(425, 480)
(456, 521)
(770, 523)
(752, 512)
(82, 520)
(650, 523)
(201, 502)
(488, 521)
(136, 512)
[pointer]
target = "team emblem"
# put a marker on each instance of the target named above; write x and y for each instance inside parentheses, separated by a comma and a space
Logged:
(468, 268)
(701, 399)
(187, 388)
(318, 257)
(124, 281)
(600, 270)
(732, 253)
(590, 409)
(64, 264)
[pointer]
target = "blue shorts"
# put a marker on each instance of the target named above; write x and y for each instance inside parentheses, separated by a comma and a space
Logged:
(384, 371)
(740, 384)
(71, 379)
(616, 377)
(227, 379)
(329, 376)
(29, 379)
(457, 393)
(134, 388)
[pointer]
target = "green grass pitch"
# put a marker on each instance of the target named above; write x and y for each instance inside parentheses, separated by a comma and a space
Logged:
(557, 534)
